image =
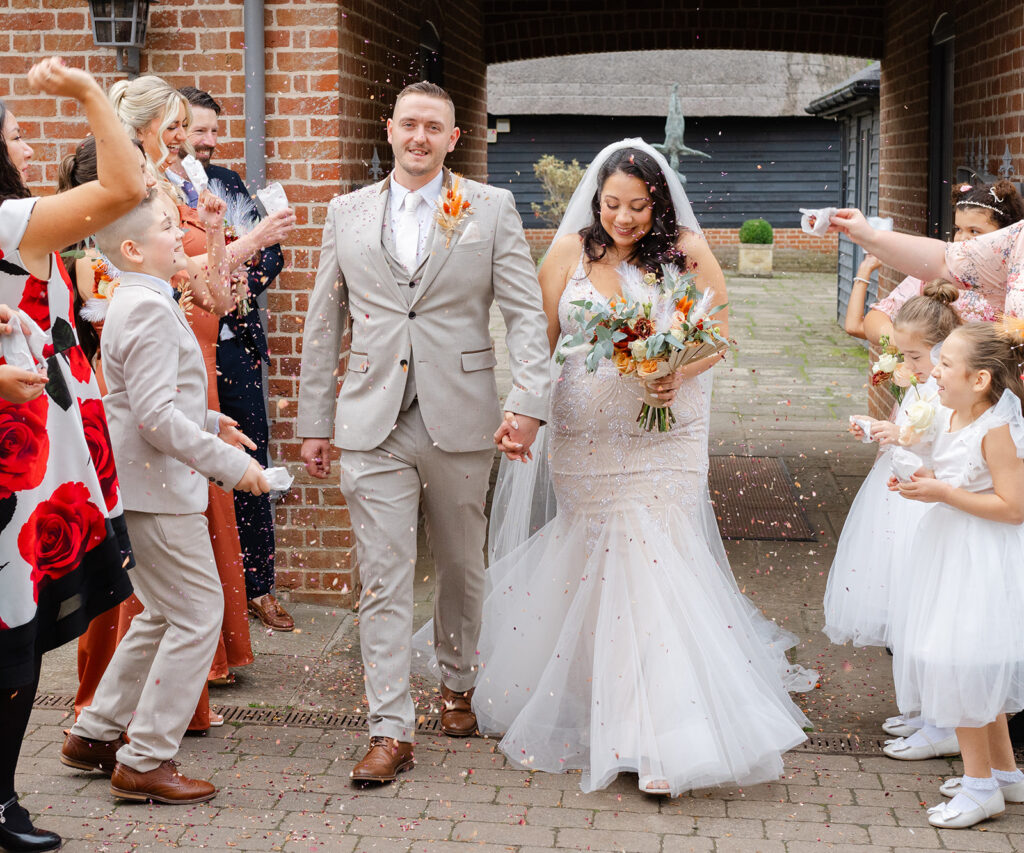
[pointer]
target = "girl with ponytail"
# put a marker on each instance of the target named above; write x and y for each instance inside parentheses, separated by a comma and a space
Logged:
(860, 599)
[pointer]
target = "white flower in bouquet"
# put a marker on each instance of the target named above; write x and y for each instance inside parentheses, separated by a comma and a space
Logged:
(638, 349)
(887, 363)
(920, 414)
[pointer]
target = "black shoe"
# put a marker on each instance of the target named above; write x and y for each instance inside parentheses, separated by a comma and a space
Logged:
(17, 835)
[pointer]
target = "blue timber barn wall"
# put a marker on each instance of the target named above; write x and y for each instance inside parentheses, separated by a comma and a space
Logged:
(760, 167)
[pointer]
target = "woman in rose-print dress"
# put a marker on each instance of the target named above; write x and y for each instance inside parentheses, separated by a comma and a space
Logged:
(63, 547)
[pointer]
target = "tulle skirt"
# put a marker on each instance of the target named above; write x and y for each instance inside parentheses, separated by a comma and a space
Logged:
(958, 639)
(615, 643)
(871, 550)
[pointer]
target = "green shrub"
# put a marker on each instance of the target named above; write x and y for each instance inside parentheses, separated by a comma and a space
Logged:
(756, 231)
(559, 181)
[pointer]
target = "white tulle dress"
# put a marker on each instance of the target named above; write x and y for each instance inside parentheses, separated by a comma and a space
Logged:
(614, 639)
(958, 642)
(877, 532)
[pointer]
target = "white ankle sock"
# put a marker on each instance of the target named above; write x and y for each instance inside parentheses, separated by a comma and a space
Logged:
(1007, 777)
(980, 787)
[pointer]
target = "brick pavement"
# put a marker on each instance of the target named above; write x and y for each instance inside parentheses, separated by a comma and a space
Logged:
(786, 392)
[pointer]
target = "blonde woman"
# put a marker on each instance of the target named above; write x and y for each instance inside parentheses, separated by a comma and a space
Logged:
(158, 116)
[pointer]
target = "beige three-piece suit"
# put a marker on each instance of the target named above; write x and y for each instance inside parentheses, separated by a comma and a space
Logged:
(166, 448)
(417, 411)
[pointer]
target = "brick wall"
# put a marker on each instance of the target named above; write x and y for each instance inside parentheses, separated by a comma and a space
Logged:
(331, 76)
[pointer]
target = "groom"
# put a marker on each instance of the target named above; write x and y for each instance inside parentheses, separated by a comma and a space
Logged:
(418, 408)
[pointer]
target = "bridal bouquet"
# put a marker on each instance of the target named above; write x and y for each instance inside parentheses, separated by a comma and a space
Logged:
(658, 324)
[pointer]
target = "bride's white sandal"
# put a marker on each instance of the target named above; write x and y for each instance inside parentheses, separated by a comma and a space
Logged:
(650, 785)
(949, 818)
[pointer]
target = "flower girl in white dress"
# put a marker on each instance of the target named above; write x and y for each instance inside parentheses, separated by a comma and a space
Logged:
(614, 639)
(959, 644)
(880, 524)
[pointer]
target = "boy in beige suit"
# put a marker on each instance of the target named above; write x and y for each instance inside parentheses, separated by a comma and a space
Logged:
(166, 444)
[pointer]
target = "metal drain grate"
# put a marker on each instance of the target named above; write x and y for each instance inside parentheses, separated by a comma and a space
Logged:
(817, 742)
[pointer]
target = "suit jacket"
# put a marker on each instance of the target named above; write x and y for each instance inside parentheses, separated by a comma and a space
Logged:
(163, 435)
(249, 329)
(443, 327)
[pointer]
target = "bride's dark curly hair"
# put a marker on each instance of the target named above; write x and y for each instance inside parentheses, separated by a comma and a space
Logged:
(658, 245)
(11, 185)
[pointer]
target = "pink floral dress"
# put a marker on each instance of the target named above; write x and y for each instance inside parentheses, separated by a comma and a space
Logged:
(63, 543)
(991, 268)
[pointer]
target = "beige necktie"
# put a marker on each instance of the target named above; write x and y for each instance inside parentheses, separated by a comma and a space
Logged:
(407, 240)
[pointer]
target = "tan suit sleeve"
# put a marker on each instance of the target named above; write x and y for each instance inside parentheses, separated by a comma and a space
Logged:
(321, 340)
(517, 292)
(151, 380)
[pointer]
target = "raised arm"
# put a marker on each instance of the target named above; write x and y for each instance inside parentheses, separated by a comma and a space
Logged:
(854, 323)
(57, 222)
(921, 257)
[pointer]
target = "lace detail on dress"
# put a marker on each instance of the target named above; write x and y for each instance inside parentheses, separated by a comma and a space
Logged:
(600, 458)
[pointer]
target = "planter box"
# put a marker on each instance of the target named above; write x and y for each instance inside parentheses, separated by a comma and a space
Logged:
(755, 259)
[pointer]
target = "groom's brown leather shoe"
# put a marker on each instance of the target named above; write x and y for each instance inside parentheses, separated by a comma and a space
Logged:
(162, 785)
(383, 762)
(85, 754)
(457, 717)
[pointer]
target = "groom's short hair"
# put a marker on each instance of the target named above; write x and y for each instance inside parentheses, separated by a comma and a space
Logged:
(432, 90)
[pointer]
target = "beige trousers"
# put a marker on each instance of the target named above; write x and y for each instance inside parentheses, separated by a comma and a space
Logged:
(383, 488)
(162, 663)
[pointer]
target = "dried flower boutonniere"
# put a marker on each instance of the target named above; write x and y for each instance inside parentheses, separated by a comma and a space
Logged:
(452, 209)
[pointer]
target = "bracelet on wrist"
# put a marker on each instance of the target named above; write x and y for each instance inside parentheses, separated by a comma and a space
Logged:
(857, 278)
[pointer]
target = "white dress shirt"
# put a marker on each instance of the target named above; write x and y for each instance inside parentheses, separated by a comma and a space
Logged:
(425, 212)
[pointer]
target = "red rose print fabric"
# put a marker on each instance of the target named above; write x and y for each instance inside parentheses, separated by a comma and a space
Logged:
(59, 532)
(24, 445)
(98, 438)
(35, 302)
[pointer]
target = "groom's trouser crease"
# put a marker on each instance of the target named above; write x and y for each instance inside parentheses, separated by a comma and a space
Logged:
(382, 488)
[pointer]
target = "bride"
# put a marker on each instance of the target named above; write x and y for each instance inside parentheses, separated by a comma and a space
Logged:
(614, 637)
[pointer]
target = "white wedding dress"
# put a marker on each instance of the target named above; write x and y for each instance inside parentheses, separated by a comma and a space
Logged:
(615, 638)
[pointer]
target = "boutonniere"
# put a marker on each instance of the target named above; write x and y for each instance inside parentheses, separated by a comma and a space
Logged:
(452, 209)
(106, 278)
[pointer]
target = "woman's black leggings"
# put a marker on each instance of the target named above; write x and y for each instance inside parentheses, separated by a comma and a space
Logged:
(15, 708)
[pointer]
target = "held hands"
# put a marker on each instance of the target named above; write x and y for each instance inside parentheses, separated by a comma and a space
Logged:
(515, 435)
(253, 481)
(274, 228)
(53, 77)
(231, 434)
(316, 453)
(211, 210)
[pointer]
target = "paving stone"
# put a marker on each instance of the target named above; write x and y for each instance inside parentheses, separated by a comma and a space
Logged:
(905, 836)
(840, 833)
(319, 844)
(985, 837)
(591, 839)
(745, 845)
(390, 827)
(764, 810)
(508, 814)
(502, 833)
(720, 827)
(447, 792)
(690, 844)
(543, 816)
